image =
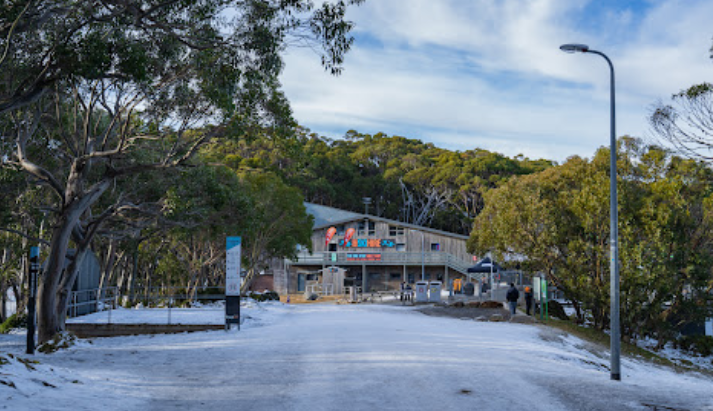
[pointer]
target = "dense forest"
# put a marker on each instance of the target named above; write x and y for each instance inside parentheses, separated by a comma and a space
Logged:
(406, 179)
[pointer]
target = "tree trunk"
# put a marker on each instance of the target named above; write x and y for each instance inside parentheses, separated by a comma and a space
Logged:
(64, 289)
(50, 320)
(48, 323)
(3, 300)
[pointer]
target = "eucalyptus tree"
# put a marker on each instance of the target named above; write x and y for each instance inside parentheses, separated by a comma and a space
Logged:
(91, 83)
(558, 219)
(686, 122)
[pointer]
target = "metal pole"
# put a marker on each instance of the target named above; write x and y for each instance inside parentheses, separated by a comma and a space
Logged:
(423, 258)
(614, 239)
(33, 272)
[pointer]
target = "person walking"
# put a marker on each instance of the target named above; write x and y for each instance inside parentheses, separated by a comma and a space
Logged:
(512, 296)
(528, 300)
(403, 291)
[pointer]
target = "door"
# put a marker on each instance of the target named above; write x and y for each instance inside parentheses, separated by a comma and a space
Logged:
(300, 282)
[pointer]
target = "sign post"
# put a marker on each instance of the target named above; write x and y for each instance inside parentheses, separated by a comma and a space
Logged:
(32, 298)
(545, 299)
(232, 281)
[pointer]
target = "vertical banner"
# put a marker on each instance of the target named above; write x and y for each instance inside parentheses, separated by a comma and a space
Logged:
(232, 266)
(232, 281)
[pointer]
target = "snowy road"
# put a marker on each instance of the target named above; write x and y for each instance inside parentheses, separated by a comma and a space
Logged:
(364, 358)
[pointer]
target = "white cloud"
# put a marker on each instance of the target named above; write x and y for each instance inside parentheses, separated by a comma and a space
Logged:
(489, 73)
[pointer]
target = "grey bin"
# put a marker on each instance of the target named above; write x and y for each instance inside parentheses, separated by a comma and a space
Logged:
(469, 289)
(421, 292)
(434, 292)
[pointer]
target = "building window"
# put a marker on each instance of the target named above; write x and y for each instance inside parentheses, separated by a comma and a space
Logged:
(435, 247)
(340, 229)
(333, 247)
(400, 247)
(395, 230)
(367, 228)
(395, 276)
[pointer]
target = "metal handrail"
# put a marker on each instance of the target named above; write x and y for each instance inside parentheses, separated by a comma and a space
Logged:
(429, 258)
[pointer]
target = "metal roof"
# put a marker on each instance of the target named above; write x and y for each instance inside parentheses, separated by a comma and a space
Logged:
(327, 216)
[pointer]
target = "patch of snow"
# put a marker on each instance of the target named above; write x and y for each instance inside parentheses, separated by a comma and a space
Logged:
(349, 357)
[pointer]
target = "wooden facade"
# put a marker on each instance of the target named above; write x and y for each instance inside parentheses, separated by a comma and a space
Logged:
(380, 255)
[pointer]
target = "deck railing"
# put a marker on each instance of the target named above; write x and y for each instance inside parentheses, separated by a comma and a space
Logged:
(381, 258)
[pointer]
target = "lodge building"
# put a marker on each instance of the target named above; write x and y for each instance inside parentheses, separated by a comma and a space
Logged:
(380, 254)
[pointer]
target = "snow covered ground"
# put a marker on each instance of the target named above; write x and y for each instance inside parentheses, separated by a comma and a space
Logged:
(329, 357)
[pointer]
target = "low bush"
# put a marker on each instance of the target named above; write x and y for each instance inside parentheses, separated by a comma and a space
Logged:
(268, 296)
(699, 344)
(61, 340)
(15, 321)
(555, 309)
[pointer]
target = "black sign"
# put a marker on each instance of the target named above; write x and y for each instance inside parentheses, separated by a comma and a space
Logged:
(31, 301)
(232, 310)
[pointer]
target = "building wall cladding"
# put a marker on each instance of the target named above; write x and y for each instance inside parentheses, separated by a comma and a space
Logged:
(412, 239)
(383, 252)
(379, 278)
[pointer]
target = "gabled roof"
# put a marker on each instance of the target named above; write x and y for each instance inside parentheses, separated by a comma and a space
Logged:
(328, 216)
(325, 216)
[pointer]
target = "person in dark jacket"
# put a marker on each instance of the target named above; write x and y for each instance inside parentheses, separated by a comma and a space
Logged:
(512, 297)
(528, 300)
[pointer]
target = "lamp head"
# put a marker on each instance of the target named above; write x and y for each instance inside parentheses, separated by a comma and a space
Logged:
(571, 48)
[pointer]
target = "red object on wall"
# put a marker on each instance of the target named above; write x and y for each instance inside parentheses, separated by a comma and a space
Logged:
(348, 235)
(330, 233)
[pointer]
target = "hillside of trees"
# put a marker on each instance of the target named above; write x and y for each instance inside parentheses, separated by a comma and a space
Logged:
(406, 179)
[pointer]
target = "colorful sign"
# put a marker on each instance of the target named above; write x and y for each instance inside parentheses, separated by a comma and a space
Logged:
(232, 265)
(363, 257)
(367, 243)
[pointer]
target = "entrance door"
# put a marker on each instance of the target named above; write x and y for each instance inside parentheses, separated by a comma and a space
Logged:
(300, 282)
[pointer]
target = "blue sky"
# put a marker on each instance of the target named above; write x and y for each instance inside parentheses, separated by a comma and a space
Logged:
(489, 73)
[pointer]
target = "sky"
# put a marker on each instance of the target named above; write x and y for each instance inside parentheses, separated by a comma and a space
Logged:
(489, 73)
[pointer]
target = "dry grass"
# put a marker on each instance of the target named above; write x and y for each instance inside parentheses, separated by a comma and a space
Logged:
(299, 298)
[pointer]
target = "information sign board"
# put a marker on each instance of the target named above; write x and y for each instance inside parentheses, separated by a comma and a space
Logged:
(232, 266)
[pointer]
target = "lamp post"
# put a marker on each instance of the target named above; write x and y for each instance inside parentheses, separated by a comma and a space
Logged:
(613, 220)
(423, 258)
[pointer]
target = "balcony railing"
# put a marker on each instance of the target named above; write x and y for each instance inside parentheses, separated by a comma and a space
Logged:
(382, 258)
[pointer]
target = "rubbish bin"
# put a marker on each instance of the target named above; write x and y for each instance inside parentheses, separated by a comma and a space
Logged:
(469, 289)
(434, 292)
(421, 292)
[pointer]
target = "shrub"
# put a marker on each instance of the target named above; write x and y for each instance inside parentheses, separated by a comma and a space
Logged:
(61, 340)
(700, 344)
(268, 296)
(15, 321)
(555, 309)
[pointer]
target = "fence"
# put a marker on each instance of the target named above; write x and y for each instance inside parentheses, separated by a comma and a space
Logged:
(88, 301)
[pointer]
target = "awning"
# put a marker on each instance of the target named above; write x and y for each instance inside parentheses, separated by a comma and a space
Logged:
(485, 265)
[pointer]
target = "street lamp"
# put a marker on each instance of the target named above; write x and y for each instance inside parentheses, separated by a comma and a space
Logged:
(613, 220)
(423, 258)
